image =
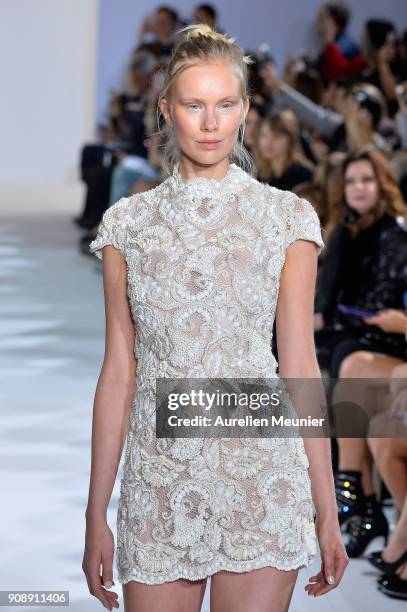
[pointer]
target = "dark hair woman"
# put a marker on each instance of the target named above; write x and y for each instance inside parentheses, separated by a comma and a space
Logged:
(282, 162)
(365, 267)
(365, 262)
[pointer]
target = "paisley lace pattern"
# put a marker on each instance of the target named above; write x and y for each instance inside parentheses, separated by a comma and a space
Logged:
(204, 258)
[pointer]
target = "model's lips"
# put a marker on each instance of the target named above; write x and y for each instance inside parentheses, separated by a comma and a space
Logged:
(209, 144)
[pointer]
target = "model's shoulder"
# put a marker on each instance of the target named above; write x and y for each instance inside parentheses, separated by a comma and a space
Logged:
(257, 187)
(154, 194)
(122, 206)
(138, 201)
(281, 200)
(127, 210)
(289, 201)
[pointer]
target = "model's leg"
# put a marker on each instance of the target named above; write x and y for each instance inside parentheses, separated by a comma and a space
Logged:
(263, 590)
(175, 596)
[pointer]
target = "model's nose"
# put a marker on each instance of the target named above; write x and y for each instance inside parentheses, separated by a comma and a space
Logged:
(210, 122)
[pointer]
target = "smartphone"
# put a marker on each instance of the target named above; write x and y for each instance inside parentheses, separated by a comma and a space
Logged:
(357, 312)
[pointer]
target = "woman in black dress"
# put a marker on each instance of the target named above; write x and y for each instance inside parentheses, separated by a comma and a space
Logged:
(365, 266)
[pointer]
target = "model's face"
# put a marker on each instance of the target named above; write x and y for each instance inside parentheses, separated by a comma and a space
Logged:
(361, 186)
(251, 132)
(271, 144)
(206, 105)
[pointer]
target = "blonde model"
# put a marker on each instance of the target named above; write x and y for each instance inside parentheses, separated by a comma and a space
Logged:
(192, 270)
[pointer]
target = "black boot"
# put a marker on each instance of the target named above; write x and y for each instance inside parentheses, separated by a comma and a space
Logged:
(365, 529)
(350, 499)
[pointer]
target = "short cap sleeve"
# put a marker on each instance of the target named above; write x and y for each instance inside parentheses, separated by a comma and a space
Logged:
(111, 228)
(301, 221)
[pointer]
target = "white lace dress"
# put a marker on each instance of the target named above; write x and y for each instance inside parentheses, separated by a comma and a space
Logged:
(204, 258)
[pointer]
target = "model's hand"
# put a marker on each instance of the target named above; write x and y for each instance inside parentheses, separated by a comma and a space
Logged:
(334, 558)
(99, 550)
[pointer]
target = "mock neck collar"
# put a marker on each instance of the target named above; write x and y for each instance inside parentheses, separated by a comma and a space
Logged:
(234, 179)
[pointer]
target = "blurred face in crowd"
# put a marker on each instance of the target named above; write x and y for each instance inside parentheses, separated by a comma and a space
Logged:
(272, 145)
(206, 105)
(251, 132)
(140, 80)
(361, 186)
(327, 27)
(388, 50)
(391, 46)
(163, 26)
(201, 16)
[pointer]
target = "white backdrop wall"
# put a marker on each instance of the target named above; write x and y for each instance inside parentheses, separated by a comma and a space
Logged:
(48, 84)
(286, 25)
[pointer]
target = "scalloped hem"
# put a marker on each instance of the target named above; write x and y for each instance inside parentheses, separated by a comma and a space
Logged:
(146, 578)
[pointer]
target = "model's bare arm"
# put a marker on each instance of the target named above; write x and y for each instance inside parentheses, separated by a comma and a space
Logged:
(297, 359)
(116, 384)
(111, 410)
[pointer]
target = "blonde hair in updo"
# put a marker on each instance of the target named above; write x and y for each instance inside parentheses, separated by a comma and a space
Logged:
(200, 44)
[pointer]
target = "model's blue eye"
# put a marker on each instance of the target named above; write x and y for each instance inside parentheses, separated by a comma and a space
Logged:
(225, 105)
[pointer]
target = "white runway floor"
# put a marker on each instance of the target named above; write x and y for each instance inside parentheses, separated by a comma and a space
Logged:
(52, 340)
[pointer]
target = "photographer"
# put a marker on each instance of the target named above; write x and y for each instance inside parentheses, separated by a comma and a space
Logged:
(379, 44)
(353, 124)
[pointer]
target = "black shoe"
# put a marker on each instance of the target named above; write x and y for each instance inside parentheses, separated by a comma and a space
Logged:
(387, 567)
(393, 586)
(350, 499)
(365, 529)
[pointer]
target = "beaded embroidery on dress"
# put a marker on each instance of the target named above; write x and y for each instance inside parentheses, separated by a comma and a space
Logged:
(204, 258)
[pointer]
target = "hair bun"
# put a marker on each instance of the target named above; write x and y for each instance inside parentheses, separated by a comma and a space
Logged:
(195, 30)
